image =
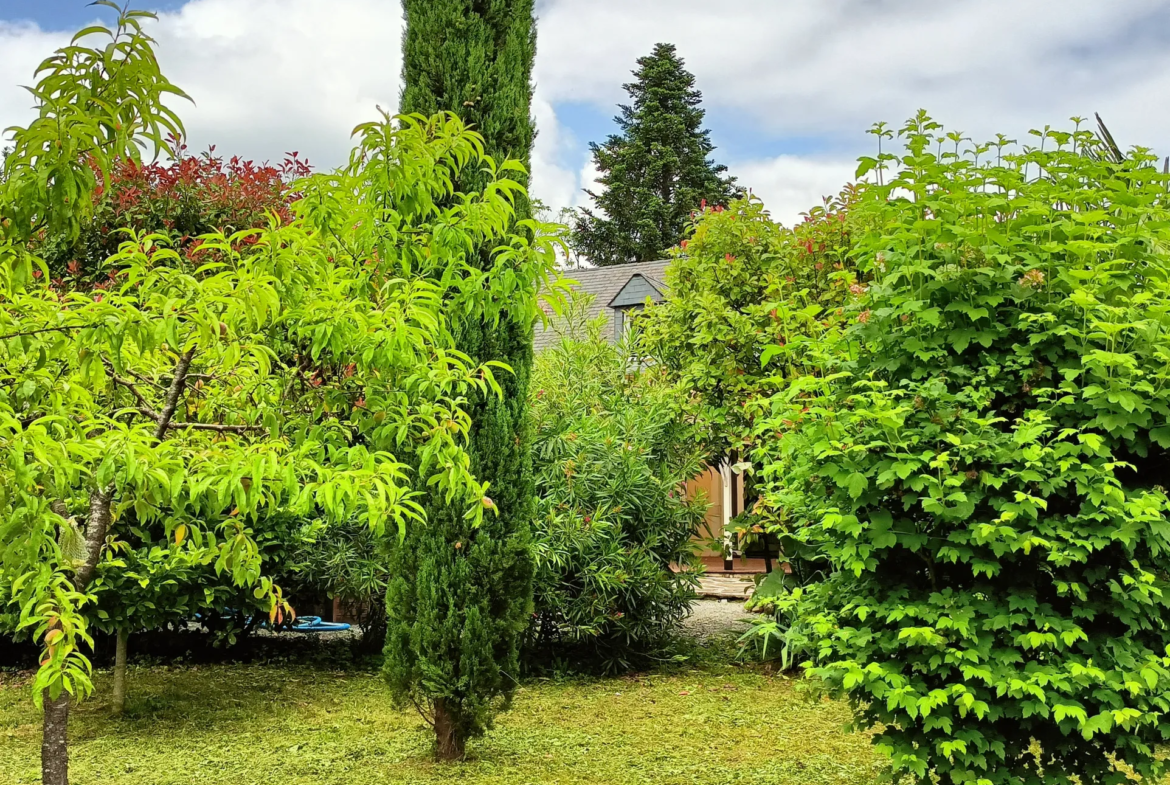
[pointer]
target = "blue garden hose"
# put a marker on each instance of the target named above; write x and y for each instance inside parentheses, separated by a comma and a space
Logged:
(314, 624)
(307, 624)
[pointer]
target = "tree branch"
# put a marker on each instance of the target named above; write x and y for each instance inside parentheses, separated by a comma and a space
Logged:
(201, 426)
(129, 385)
(144, 380)
(178, 382)
(63, 328)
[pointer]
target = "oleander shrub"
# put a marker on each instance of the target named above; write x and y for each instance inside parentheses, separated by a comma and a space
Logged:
(347, 562)
(984, 463)
(616, 568)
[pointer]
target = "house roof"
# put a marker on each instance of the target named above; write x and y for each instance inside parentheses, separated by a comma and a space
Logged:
(637, 290)
(605, 284)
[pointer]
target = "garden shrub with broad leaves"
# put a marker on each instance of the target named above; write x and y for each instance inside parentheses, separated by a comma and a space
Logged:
(143, 584)
(748, 298)
(612, 455)
(299, 367)
(984, 463)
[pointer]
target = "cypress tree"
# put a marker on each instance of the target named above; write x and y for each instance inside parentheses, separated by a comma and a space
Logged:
(656, 172)
(460, 598)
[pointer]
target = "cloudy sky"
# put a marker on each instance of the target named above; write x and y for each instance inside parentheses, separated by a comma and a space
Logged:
(790, 86)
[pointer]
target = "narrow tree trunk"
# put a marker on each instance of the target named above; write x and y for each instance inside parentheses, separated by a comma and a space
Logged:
(449, 741)
(55, 739)
(120, 671)
(54, 743)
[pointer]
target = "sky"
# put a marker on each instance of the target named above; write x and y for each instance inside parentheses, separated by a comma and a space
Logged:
(790, 86)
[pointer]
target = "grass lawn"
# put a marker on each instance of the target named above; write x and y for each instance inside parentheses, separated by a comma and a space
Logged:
(295, 725)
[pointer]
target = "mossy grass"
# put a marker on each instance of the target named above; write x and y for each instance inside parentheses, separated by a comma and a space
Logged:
(298, 723)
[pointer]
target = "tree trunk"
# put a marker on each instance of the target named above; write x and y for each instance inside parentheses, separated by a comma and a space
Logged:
(54, 742)
(449, 741)
(120, 671)
(55, 739)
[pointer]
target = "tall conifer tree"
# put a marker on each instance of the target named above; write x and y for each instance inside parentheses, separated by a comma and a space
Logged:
(461, 596)
(656, 172)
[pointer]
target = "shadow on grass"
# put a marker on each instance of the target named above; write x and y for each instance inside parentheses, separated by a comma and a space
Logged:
(220, 697)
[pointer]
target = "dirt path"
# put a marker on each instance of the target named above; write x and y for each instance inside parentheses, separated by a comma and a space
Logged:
(710, 618)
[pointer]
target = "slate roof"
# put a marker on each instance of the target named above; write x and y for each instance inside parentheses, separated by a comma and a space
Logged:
(604, 283)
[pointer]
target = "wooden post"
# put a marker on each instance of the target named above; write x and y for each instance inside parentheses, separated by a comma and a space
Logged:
(728, 540)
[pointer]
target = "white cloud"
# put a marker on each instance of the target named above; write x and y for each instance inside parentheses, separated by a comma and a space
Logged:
(790, 185)
(588, 178)
(22, 48)
(827, 70)
(269, 76)
(838, 65)
(552, 181)
(266, 76)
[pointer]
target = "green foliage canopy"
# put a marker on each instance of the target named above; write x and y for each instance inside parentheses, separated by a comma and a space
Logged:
(984, 463)
(289, 367)
(749, 301)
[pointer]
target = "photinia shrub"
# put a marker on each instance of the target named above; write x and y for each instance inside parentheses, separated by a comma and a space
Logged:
(191, 196)
(748, 298)
(984, 462)
(186, 201)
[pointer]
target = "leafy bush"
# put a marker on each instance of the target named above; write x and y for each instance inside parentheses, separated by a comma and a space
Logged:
(147, 580)
(346, 561)
(612, 456)
(783, 632)
(197, 396)
(747, 298)
(191, 196)
(984, 460)
(786, 600)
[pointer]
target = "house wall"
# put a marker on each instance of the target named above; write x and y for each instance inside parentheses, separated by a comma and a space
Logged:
(636, 292)
(709, 485)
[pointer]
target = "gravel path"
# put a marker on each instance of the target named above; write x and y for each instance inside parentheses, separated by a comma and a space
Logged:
(710, 618)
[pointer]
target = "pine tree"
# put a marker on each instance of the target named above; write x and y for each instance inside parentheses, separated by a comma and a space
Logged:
(461, 596)
(656, 172)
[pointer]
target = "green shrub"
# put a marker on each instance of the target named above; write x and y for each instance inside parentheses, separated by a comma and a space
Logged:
(984, 465)
(147, 582)
(612, 455)
(747, 302)
(348, 562)
(782, 632)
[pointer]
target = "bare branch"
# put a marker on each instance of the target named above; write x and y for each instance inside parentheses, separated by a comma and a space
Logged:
(129, 385)
(145, 380)
(428, 719)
